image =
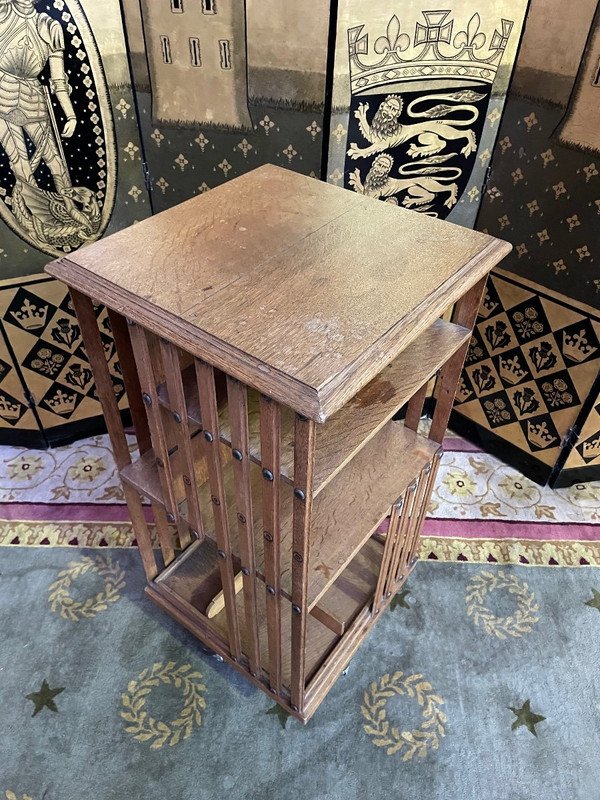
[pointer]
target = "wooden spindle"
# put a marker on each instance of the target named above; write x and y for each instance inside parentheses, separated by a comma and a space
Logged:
(388, 550)
(84, 308)
(415, 408)
(205, 377)
(238, 419)
(181, 427)
(270, 425)
(304, 458)
(408, 510)
(163, 530)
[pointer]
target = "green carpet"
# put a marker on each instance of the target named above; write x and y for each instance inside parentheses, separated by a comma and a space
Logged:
(481, 683)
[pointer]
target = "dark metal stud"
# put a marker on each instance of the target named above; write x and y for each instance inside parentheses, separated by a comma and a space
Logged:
(194, 533)
(294, 708)
(170, 517)
(160, 462)
(245, 571)
(413, 561)
(298, 557)
(388, 595)
(299, 494)
(241, 518)
(187, 481)
(302, 418)
(376, 611)
(147, 399)
(234, 659)
(237, 455)
(268, 474)
(268, 536)
(177, 416)
(208, 436)
(270, 590)
(296, 609)
(221, 554)
(215, 500)
(253, 674)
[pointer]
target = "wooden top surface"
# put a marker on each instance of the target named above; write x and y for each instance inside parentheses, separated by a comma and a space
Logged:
(297, 287)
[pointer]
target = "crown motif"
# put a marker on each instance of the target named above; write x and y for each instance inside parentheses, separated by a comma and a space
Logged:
(463, 392)
(590, 449)
(487, 305)
(510, 370)
(431, 53)
(31, 317)
(576, 346)
(62, 403)
(539, 435)
(8, 409)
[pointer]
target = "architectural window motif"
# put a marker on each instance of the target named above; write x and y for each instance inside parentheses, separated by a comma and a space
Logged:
(177, 6)
(195, 51)
(209, 7)
(225, 53)
(165, 46)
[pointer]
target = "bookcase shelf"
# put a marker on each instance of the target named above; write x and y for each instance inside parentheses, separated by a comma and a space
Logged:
(262, 378)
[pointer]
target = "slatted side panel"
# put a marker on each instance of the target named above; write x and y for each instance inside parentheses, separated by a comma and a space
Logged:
(205, 377)
(270, 437)
(237, 396)
(95, 353)
(304, 456)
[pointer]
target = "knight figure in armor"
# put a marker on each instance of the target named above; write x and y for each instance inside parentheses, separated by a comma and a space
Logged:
(29, 40)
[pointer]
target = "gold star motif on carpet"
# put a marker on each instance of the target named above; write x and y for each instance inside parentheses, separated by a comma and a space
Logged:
(44, 698)
(526, 717)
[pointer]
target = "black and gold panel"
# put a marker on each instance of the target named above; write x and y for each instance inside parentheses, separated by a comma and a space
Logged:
(417, 95)
(49, 357)
(18, 421)
(533, 360)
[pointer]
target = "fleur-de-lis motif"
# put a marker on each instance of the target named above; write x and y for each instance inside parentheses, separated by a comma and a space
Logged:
(266, 123)
(559, 266)
(339, 132)
(313, 129)
(393, 40)
(162, 184)
(122, 106)
(533, 207)
(336, 176)
(290, 152)
(521, 249)
(547, 157)
(135, 193)
(181, 161)
(131, 150)
(505, 143)
(494, 117)
(493, 193)
(157, 136)
(559, 188)
(583, 252)
(204, 187)
(543, 236)
(484, 157)
(201, 141)
(531, 120)
(517, 175)
(225, 166)
(473, 194)
(573, 222)
(590, 171)
(245, 147)
(504, 221)
(471, 38)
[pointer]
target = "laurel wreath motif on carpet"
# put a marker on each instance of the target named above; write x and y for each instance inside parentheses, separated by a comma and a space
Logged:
(155, 731)
(516, 624)
(417, 741)
(12, 796)
(60, 598)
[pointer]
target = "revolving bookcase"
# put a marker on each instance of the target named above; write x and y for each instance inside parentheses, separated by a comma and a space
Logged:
(267, 333)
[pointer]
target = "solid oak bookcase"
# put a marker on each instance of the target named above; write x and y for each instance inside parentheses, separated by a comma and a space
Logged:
(268, 332)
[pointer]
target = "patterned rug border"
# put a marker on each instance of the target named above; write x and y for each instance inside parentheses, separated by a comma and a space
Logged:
(531, 552)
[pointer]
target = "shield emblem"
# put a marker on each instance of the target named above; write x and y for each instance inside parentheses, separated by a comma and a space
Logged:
(417, 111)
(57, 141)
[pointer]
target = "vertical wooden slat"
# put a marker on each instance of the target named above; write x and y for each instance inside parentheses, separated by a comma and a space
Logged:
(120, 332)
(237, 396)
(160, 445)
(387, 564)
(178, 408)
(465, 313)
(205, 377)
(415, 408)
(270, 424)
(163, 531)
(304, 457)
(408, 511)
(403, 523)
(424, 503)
(94, 349)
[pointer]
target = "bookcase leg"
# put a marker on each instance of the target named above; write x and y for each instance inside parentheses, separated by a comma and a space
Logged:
(304, 457)
(237, 397)
(415, 408)
(94, 349)
(270, 446)
(464, 314)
